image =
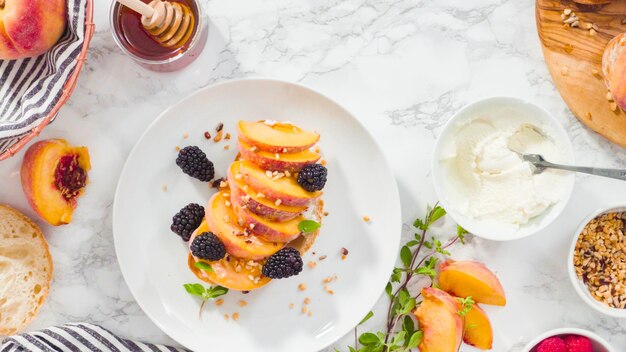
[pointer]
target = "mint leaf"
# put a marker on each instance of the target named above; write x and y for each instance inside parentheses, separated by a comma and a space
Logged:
(406, 256)
(216, 291)
(308, 225)
(461, 232)
(194, 289)
(408, 325)
(368, 339)
(388, 289)
(415, 339)
(367, 317)
(203, 266)
(422, 270)
(396, 275)
(419, 224)
(436, 214)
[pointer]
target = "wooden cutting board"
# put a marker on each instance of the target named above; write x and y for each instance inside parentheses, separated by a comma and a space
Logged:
(572, 55)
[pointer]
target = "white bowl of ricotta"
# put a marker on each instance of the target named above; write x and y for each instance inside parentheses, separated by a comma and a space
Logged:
(481, 179)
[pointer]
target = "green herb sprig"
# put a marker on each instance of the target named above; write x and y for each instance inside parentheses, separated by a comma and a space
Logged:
(204, 293)
(419, 258)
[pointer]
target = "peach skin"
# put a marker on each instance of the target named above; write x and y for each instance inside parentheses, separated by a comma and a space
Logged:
(614, 69)
(477, 330)
(54, 175)
(29, 28)
(242, 195)
(286, 189)
(269, 230)
(469, 278)
(438, 318)
(276, 137)
(223, 222)
(281, 162)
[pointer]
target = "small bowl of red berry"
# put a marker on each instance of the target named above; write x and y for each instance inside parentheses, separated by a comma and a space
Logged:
(568, 340)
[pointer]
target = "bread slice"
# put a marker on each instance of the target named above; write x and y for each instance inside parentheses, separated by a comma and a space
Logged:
(25, 270)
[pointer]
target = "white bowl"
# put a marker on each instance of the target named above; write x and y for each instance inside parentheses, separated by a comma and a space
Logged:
(501, 107)
(599, 344)
(579, 286)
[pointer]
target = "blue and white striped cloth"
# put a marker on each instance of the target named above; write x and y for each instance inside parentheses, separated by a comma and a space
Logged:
(30, 88)
(78, 337)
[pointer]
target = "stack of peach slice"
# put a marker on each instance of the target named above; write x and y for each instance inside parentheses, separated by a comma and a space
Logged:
(438, 314)
(260, 210)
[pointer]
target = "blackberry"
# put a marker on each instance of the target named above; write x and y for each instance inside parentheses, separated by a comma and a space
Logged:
(187, 220)
(207, 246)
(282, 264)
(313, 177)
(194, 163)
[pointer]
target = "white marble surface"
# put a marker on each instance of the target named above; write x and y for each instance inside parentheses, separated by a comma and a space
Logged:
(403, 67)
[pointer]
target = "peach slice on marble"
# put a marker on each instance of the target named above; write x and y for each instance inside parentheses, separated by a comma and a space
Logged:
(232, 272)
(470, 278)
(242, 195)
(276, 137)
(477, 329)
(286, 189)
(281, 162)
(439, 320)
(239, 242)
(54, 175)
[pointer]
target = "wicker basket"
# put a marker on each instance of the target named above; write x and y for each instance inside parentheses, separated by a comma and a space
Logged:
(68, 87)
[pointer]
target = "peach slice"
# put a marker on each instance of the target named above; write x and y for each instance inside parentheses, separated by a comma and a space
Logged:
(477, 330)
(469, 278)
(242, 195)
(276, 137)
(54, 175)
(223, 222)
(286, 189)
(439, 320)
(292, 162)
(269, 230)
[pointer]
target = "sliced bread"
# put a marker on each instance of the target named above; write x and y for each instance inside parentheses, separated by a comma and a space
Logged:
(25, 270)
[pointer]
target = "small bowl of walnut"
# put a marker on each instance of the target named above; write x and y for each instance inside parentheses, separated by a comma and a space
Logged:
(597, 261)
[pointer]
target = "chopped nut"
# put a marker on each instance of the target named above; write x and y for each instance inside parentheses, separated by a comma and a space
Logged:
(226, 147)
(227, 203)
(219, 127)
(564, 70)
(593, 32)
(323, 162)
(226, 317)
(291, 305)
(235, 316)
(207, 135)
(588, 115)
(278, 202)
(219, 302)
(568, 48)
(307, 300)
(326, 213)
(310, 314)
(343, 257)
(596, 73)
(227, 136)
(260, 195)
(242, 303)
(303, 310)
(609, 96)
(302, 287)
(238, 176)
(164, 188)
(218, 137)
(312, 264)
(323, 257)
(277, 156)
(567, 12)
(253, 148)
(344, 251)
(177, 148)
(613, 106)
(366, 218)
(186, 135)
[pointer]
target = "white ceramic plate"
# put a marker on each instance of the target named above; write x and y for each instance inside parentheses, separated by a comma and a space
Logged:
(154, 260)
(501, 108)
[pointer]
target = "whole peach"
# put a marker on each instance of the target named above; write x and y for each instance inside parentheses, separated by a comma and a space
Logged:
(29, 28)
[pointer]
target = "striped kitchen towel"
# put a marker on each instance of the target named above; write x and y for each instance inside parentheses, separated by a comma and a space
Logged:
(31, 88)
(78, 337)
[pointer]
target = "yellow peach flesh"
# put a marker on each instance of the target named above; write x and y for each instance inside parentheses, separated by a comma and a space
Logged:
(280, 137)
(477, 330)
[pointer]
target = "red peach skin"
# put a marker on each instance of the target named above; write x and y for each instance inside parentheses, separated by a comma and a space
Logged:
(439, 320)
(29, 28)
(286, 189)
(261, 206)
(292, 162)
(469, 278)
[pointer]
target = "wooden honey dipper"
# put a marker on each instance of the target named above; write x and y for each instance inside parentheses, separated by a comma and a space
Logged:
(169, 23)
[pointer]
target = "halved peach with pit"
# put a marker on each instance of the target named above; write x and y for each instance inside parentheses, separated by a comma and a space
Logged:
(239, 242)
(286, 189)
(292, 162)
(470, 278)
(54, 175)
(269, 230)
(244, 196)
(276, 137)
(477, 330)
(439, 320)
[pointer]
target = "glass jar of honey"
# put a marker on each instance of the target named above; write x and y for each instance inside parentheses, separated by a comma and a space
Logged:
(135, 41)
